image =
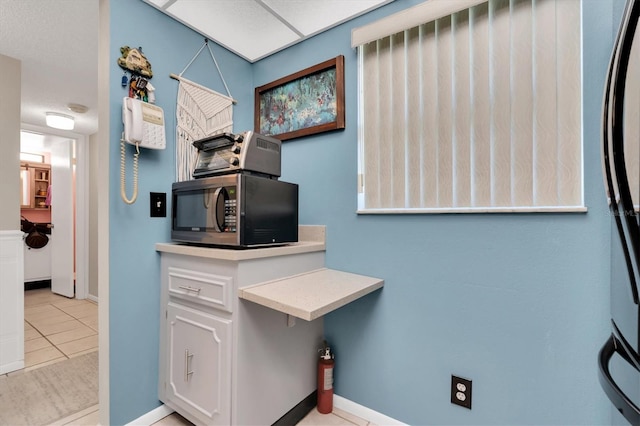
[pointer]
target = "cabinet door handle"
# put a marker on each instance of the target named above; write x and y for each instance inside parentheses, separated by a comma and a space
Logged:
(186, 287)
(187, 373)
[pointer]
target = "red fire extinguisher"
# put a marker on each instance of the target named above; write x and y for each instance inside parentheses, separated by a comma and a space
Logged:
(325, 380)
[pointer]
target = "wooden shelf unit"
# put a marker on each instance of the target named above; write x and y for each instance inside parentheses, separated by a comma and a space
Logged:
(35, 179)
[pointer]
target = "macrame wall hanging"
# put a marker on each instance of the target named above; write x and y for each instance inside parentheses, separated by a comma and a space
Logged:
(200, 112)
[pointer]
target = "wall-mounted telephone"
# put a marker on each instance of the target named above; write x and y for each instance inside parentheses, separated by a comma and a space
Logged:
(143, 124)
(143, 127)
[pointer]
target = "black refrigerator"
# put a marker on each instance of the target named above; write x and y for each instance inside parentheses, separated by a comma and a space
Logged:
(619, 358)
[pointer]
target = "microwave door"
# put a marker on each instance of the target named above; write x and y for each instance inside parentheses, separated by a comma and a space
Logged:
(216, 201)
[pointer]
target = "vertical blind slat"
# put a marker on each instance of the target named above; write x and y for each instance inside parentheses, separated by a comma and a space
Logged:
(445, 170)
(521, 104)
(385, 116)
(461, 114)
(569, 133)
(371, 128)
(499, 24)
(545, 124)
(414, 118)
(429, 147)
(480, 108)
(398, 150)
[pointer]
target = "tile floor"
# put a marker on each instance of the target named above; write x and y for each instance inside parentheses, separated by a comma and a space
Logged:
(57, 328)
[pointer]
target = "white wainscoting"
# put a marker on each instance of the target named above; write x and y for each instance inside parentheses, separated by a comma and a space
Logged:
(11, 301)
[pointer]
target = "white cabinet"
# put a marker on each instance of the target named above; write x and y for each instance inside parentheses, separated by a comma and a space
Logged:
(230, 350)
(223, 360)
(199, 373)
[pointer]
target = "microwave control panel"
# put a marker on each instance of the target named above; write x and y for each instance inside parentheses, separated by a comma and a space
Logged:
(230, 215)
(230, 210)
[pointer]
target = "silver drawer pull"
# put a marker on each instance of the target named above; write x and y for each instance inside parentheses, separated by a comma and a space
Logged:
(186, 287)
(187, 373)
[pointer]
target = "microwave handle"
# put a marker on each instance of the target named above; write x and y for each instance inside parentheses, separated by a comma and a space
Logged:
(218, 208)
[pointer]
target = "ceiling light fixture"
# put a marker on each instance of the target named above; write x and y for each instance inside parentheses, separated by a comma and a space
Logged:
(59, 121)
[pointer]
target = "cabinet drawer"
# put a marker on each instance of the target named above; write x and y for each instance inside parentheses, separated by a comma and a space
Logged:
(200, 287)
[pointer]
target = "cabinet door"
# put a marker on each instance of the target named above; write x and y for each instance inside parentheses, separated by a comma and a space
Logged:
(199, 364)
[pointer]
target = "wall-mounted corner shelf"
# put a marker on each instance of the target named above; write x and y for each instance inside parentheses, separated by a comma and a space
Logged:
(313, 294)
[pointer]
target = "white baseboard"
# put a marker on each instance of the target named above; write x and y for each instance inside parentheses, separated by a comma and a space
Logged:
(152, 416)
(92, 298)
(339, 402)
(13, 366)
(363, 412)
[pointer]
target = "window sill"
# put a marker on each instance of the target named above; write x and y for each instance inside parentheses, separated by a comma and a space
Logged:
(449, 210)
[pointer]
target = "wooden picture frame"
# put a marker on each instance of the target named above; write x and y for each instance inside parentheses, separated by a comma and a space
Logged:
(304, 103)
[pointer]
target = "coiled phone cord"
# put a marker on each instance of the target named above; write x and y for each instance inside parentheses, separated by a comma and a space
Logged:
(123, 192)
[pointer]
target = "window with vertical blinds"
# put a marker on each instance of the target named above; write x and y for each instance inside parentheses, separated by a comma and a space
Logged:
(476, 111)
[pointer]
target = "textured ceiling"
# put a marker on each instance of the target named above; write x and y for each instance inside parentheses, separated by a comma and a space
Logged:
(57, 42)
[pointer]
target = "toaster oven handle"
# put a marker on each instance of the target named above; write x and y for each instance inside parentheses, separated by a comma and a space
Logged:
(219, 208)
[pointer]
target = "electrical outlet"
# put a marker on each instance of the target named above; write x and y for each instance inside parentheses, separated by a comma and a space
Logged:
(461, 392)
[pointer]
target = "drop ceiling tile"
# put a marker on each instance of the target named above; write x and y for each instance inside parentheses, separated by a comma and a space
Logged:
(313, 16)
(243, 26)
(255, 29)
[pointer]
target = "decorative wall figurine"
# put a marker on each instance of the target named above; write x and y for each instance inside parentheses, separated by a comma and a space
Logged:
(133, 59)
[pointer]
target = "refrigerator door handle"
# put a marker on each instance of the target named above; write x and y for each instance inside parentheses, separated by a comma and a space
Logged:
(624, 348)
(625, 406)
(613, 144)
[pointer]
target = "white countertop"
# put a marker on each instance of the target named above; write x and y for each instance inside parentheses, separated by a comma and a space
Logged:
(313, 294)
(307, 296)
(311, 239)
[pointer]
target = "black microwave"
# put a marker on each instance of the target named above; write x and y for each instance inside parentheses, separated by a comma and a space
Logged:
(234, 210)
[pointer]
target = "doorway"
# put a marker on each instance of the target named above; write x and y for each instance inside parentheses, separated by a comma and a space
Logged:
(56, 159)
(64, 164)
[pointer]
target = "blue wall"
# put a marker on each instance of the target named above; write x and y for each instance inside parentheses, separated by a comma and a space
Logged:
(517, 303)
(134, 264)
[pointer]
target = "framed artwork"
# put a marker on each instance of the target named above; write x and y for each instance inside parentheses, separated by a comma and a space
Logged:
(304, 103)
